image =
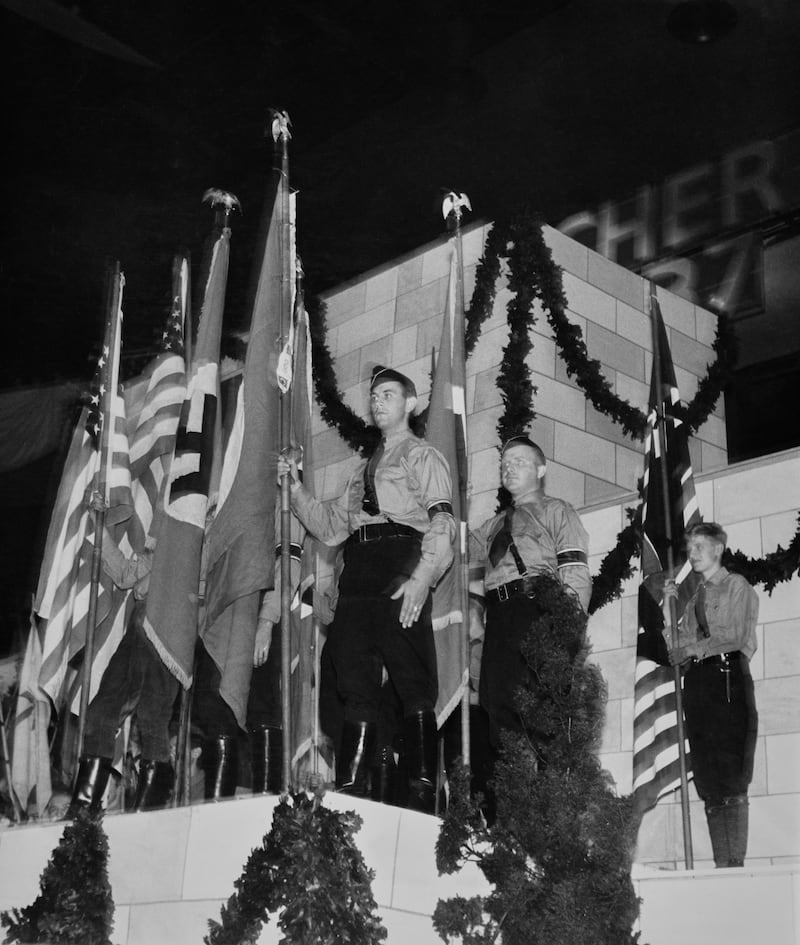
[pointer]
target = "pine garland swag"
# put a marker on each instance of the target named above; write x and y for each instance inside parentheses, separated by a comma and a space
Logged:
(309, 867)
(74, 905)
(559, 854)
(534, 275)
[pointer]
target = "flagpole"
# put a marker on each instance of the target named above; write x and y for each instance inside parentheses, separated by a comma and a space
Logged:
(100, 487)
(659, 430)
(281, 136)
(181, 794)
(463, 517)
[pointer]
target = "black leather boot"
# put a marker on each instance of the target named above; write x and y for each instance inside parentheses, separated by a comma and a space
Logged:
(354, 756)
(384, 777)
(266, 756)
(421, 743)
(154, 789)
(718, 831)
(90, 784)
(221, 766)
(737, 816)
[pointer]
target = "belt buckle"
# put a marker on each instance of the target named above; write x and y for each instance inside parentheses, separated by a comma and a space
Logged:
(502, 593)
(364, 531)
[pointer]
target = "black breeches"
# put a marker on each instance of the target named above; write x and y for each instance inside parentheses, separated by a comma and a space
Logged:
(366, 634)
(721, 725)
(135, 680)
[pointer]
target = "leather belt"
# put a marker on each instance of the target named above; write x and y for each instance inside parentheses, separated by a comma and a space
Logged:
(378, 530)
(522, 586)
(720, 659)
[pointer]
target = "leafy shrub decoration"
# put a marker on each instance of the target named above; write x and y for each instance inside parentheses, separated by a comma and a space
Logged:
(74, 905)
(308, 869)
(559, 853)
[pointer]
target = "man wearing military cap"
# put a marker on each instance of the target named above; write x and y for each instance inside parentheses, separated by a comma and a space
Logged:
(396, 520)
(536, 534)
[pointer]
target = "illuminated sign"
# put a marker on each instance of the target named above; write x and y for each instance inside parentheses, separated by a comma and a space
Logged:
(698, 232)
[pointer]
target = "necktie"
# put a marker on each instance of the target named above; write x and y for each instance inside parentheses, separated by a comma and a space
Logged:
(700, 611)
(369, 503)
(502, 540)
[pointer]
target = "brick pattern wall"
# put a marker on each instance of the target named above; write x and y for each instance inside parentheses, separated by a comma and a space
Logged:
(393, 316)
(756, 502)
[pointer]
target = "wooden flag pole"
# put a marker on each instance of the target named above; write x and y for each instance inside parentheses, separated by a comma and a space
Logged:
(100, 486)
(182, 781)
(281, 136)
(659, 430)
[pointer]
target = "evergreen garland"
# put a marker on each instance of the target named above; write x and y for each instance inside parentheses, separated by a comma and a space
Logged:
(616, 567)
(774, 568)
(309, 867)
(484, 293)
(559, 853)
(514, 376)
(74, 905)
(534, 275)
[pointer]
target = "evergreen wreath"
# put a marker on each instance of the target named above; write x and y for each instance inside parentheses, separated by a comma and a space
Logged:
(74, 905)
(559, 853)
(532, 275)
(309, 867)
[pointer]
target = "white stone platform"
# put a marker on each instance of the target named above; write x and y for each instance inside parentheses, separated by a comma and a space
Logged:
(171, 870)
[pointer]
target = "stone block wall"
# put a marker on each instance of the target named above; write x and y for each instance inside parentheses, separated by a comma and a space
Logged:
(757, 504)
(393, 316)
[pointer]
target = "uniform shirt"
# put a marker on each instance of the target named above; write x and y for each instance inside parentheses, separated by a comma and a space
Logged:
(411, 477)
(731, 613)
(549, 537)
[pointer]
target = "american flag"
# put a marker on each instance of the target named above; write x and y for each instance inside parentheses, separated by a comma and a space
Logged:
(656, 766)
(153, 405)
(61, 604)
(97, 459)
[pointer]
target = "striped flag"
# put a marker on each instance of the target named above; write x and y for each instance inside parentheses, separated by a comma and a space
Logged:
(447, 431)
(241, 538)
(62, 597)
(656, 766)
(153, 403)
(173, 600)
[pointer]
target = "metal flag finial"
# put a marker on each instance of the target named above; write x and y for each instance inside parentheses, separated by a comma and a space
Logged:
(454, 204)
(280, 125)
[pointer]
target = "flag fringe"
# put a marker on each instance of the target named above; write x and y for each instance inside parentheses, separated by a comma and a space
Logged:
(166, 657)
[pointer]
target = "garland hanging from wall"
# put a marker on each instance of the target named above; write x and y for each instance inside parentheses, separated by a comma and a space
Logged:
(532, 276)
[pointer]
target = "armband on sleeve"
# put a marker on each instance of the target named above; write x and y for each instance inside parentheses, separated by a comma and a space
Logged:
(444, 508)
(571, 556)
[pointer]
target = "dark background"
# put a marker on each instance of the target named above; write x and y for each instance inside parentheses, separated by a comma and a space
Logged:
(118, 115)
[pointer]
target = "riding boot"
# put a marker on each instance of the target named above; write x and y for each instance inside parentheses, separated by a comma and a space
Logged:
(221, 766)
(384, 776)
(90, 785)
(422, 748)
(266, 756)
(737, 812)
(154, 789)
(355, 753)
(718, 831)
